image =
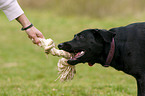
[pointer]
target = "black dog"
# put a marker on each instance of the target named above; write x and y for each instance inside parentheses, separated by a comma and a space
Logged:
(122, 48)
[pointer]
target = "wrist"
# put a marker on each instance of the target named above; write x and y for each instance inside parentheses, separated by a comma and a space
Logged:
(26, 24)
(25, 28)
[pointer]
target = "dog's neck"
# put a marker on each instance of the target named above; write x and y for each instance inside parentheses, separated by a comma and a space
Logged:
(115, 63)
(108, 54)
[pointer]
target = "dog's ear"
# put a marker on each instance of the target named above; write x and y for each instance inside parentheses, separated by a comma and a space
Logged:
(106, 35)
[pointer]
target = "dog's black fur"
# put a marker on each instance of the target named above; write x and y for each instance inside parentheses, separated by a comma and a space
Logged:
(129, 55)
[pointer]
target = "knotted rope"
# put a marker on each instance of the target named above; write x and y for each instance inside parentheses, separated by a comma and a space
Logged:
(66, 71)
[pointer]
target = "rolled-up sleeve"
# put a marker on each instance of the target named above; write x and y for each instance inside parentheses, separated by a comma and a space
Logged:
(11, 8)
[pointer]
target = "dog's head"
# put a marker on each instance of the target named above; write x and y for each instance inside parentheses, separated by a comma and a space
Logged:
(87, 45)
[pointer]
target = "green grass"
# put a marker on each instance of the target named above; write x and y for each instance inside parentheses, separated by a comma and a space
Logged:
(25, 70)
(93, 8)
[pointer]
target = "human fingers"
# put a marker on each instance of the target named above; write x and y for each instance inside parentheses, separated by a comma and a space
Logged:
(35, 40)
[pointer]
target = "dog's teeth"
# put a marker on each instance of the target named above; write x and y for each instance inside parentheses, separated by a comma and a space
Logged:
(82, 52)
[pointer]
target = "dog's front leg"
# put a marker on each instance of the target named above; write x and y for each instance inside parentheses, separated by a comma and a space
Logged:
(141, 86)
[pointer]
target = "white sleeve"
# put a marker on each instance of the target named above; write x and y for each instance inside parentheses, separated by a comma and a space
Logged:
(11, 8)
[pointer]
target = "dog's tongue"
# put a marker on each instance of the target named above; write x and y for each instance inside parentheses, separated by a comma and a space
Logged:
(78, 54)
(90, 64)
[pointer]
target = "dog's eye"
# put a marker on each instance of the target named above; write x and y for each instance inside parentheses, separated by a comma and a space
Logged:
(77, 37)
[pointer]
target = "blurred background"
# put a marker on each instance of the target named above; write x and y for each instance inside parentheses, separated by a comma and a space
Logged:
(26, 71)
(91, 8)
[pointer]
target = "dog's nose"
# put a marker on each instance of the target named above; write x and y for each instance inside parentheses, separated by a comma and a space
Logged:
(64, 46)
(60, 46)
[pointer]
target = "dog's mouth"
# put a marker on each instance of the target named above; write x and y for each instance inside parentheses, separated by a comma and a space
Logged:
(77, 57)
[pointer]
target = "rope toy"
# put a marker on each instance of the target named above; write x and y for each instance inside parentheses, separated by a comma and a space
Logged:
(66, 71)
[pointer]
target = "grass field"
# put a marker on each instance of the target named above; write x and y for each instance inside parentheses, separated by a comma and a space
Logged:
(25, 70)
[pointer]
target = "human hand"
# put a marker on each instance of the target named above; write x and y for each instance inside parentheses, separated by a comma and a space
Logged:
(33, 33)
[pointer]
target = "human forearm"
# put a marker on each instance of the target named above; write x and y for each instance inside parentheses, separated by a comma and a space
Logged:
(23, 20)
(13, 11)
